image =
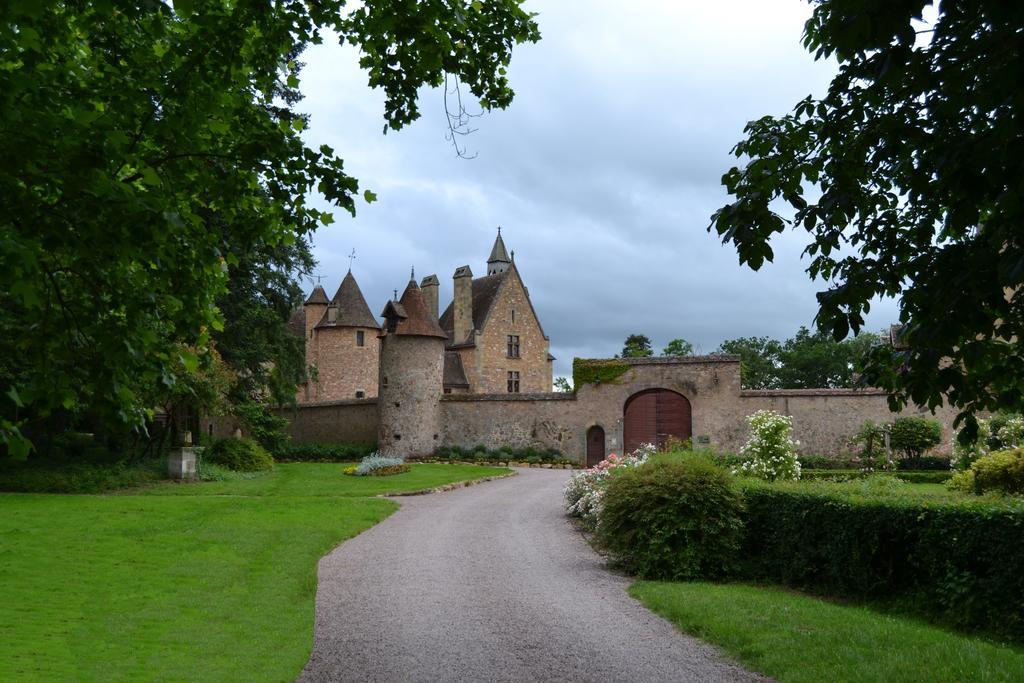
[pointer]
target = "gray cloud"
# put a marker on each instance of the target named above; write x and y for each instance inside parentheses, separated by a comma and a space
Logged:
(604, 173)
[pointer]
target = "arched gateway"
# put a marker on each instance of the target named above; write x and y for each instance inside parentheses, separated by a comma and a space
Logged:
(652, 416)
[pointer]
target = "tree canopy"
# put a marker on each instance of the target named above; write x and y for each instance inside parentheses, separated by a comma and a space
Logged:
(142, 144)
(678, 347)
(637, 346)
(906, 178)
(808, 360)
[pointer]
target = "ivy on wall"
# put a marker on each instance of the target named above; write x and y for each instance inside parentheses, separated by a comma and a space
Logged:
(586, 371)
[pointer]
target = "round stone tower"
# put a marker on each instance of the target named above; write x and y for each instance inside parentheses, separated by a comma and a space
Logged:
(411, 377)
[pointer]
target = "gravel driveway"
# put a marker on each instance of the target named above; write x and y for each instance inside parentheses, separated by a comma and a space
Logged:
(491, 583)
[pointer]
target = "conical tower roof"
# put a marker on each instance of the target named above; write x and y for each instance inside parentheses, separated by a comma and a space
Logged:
(411, 316)
(499, 260)
(317, 296)
(352, 309)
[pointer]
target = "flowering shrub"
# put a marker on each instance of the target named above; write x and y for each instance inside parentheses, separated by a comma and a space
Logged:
(1004, 431)
(771, 450)
(964, 455)
(378, 465)
(1001, 471)
(585, 489)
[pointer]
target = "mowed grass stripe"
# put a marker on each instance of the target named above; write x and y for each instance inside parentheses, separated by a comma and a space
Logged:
(801, 639)
(186, 586)
(322, 479)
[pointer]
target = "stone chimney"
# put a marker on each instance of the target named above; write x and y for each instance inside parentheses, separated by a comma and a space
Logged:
(462, 305)
(430, 286)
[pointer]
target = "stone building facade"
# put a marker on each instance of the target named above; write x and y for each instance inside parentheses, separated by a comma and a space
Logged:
(411, 376)
(342, 352)
(494, 341)
(480, 373)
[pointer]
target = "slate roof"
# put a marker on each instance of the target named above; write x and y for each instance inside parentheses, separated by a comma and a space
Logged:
(454, 372)
(485, 292)
(411, 315)
(498, 251)
(352, 308)
(317, 296)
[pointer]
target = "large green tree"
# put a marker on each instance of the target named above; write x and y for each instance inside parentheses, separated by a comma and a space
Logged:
(906, 177)
(637, 346)
(808, 360)
(141, 141)
(678, 347)
(813, 360)
(759, 360)
(262, 292)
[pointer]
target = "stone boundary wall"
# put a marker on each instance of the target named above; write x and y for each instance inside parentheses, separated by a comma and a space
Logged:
(551, 420)
(825, 419)
(332, 421)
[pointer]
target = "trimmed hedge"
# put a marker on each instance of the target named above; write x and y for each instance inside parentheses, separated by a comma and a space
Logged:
(324, 452)
(924, 476)
(672, 519)
(959, 561)
(240, 455)
(481, 453)
(911, 476)
(925, 462)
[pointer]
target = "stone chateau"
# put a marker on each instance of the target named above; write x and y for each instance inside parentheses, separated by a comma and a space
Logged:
(480, 373)
(494, 341)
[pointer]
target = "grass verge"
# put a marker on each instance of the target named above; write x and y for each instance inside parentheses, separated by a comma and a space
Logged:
(797, 638)
(206, 581)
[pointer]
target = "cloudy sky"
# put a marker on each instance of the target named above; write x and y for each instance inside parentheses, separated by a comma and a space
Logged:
(603, 173)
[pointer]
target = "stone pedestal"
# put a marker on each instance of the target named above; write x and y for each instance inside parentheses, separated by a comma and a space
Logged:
(181, 463)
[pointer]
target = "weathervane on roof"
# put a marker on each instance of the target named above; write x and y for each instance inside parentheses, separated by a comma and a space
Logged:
(499, 231)
(412, 273)
(351, 258)
(396, 294)
(318, 278)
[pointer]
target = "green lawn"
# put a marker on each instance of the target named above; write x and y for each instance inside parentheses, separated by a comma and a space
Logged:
(212, 581)
(325, 479)
(797, 638)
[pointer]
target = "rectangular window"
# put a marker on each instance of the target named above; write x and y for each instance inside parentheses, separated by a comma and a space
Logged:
(360, 338)
(513, 315)
(513, 346)
(513, 381)
(360, 394)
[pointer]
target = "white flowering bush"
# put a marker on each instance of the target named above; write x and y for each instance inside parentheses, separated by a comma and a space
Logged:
(1001, 432)
(584, 490)
(770, 447)
(964, 455)
(1012, 433)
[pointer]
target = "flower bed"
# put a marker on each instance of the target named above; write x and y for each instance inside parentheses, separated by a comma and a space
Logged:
(378, 466)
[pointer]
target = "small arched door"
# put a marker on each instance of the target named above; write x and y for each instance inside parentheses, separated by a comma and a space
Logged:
(595, 445)
(652, 416)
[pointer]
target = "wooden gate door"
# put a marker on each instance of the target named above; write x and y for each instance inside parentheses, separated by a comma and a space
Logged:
(652, 416)
(595, 445)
